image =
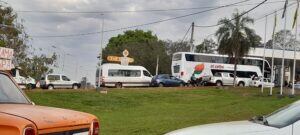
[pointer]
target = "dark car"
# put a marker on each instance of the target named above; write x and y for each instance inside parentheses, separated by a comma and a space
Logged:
(165, 80)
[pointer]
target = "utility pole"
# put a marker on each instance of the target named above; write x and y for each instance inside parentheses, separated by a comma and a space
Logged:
(283, 57)
(264, 57)
(192, 38)
(100, 55)
(294, 66)
(157, 62)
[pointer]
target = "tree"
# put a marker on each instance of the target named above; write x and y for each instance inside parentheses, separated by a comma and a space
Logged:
(236, 38)
(207, 46)
(143, 46)
(36, 66)
(13, 35)
(173, 47)
(279, 40)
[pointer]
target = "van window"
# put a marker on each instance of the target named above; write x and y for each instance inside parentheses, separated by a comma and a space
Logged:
(65, 78)
(124, 73)
(53, 77)
(146, 73)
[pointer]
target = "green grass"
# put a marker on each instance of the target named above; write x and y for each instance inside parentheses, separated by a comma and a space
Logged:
(152, 111)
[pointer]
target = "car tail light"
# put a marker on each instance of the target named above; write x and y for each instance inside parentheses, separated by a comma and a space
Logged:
(182, 73)
(95, 127)
(29, 131)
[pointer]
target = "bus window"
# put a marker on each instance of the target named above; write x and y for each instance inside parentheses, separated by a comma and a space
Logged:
(190, 57)
(176, 68)
(176, 57)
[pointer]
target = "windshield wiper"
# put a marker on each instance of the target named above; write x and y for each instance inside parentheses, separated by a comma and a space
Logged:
(260, 119)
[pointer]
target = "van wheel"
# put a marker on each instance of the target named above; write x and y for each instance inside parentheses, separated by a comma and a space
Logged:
(118, 85)
(219, 83)
(50, 87)
(160, 85)
(75, 86)
(241, 84)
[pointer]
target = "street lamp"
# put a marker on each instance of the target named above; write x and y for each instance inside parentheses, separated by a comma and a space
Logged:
(64, 56)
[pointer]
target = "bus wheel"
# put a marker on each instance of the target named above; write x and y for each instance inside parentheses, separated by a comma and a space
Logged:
(118, 85)
(241, 84)
(219, 83)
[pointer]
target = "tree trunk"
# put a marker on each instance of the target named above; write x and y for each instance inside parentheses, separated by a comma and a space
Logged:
(235, 67)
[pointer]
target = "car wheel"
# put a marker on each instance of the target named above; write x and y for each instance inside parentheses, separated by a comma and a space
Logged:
(118, 85)
(160, 85)
(75, 86)
(241, 84)
(181, 85)
(29, 86)
(219, 83)
(50, 87)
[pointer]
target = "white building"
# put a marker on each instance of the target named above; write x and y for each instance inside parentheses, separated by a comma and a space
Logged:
(278, 55)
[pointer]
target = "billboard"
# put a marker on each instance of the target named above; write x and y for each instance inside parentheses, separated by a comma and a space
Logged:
(6, 56)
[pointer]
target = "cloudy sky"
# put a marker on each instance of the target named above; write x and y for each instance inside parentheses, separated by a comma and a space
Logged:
(84, 49)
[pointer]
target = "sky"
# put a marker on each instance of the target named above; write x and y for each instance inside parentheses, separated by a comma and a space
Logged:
(81, 51)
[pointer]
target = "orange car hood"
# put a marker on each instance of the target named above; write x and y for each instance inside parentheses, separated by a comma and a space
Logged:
(47, 117)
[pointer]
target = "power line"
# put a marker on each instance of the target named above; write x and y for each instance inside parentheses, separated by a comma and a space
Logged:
(185, 35)
(131, 11)
(260, 17)
(273, 12)
(218, 24)
(140, 25)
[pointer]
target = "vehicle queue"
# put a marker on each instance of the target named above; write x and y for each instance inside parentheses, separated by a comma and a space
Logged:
(188, 69)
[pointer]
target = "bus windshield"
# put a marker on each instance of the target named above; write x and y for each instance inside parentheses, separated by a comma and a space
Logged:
(176, 57)
(9, 92)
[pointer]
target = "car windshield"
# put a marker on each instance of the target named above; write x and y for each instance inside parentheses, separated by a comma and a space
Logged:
(9, 92)
(284, 116)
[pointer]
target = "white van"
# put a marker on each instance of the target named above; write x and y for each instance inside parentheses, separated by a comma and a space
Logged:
(116, 75)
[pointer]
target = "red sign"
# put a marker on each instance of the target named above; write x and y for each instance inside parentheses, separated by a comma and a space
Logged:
(6, 53)
(6, 65)
(6, 56)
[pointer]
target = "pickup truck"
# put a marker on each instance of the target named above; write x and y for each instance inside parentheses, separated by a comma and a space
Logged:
(224, 78)
(20, 116)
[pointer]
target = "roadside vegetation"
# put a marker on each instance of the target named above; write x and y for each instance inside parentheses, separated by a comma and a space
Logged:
(150, 111)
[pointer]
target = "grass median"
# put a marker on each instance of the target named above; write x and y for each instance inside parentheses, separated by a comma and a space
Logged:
(154, 111)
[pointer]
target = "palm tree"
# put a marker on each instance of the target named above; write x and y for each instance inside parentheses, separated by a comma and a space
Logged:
(235, 38)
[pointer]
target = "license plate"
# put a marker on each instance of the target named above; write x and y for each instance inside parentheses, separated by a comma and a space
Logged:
(83, 133)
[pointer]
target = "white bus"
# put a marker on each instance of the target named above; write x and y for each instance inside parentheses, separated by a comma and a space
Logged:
(116, 75)
(186, 64)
